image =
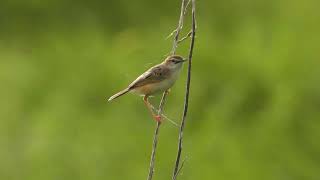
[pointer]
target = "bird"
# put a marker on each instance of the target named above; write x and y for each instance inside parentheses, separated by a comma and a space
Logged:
(157, 79)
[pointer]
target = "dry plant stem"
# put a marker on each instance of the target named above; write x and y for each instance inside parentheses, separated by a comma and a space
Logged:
(186, 102)
(163, 99)
(180, 25)
(153, 154)
(155, 137)
(185, 37)
(185, 9)
(182, 164)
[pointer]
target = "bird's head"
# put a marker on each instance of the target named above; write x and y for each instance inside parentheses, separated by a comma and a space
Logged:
(174, 61)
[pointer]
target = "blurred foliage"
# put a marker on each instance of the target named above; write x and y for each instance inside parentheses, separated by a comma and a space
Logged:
(255, 93)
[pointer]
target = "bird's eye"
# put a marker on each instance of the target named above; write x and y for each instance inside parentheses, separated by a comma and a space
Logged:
(175, 61)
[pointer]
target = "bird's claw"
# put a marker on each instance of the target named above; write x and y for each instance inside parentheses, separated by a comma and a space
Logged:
(157, 118)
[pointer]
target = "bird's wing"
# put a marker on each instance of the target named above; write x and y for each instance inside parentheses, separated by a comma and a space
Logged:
(155, 74)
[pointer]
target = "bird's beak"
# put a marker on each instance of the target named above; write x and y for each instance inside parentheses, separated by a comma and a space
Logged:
(184, 60)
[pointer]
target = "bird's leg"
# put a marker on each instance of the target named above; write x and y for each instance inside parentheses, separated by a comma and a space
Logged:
(146, 102)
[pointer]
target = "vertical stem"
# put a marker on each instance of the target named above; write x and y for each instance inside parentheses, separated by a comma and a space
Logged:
(186, 101)
(180, 25)
(153, 154)
(155, 137)
(163, 99)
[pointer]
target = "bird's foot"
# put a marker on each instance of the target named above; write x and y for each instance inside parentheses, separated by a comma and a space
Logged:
(157, 118)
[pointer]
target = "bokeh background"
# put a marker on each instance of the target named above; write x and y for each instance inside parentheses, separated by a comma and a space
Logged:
(254, 104)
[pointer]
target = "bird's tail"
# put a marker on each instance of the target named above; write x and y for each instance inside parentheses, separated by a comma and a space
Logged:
(119, 94)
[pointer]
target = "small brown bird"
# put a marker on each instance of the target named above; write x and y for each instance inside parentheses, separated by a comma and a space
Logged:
(157, 79)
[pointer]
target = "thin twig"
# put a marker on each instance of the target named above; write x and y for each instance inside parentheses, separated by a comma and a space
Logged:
(155, 137)
(153, 154)
(180, 25)
(182, 164)
(163, 99)
(171, 34)
(168, 119)
(186, 102)
(185, 37)
(186, 8)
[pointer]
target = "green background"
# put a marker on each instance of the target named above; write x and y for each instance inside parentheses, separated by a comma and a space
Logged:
(254, 103)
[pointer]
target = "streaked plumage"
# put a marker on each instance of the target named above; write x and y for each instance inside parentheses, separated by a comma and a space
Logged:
(159, 78)
(156, 79)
